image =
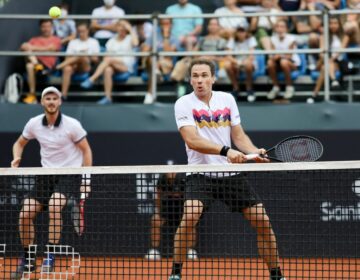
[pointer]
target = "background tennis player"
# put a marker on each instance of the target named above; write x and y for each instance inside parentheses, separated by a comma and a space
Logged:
(63, 143)
(169, 205)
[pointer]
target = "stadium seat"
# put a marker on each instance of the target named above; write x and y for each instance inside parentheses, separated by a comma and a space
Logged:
(80, 77)
(145, 77)
(121, 77)
(315, 75)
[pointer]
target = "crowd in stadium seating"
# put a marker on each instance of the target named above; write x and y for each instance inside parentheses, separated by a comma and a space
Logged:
(223, 33)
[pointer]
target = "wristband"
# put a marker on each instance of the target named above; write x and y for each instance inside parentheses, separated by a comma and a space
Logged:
(224, 151)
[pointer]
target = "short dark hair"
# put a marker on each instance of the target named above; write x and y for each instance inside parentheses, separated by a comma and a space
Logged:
(44, 20)
(83, 22)
(204, 61)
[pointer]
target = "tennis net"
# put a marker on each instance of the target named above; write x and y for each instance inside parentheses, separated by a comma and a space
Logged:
(132, 213)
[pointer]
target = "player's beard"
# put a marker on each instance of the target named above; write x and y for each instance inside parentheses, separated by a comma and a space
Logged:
(52, 110)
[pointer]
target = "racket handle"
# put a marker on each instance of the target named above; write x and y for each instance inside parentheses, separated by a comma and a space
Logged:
(82, 196)
(251, 156)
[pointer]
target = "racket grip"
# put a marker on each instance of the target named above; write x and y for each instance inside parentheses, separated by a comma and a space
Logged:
(82, 196)
(251, 156)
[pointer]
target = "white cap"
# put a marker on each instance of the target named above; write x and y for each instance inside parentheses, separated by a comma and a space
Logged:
(51, 90)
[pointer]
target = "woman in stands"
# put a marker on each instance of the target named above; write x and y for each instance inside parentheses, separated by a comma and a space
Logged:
(123, 42)
(335, 41)
(243, 41)
(281, 40)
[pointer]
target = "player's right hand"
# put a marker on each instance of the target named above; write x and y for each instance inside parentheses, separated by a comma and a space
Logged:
(15, 163)
(234, 156)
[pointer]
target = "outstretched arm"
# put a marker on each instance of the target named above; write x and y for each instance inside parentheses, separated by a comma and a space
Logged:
(17, 150)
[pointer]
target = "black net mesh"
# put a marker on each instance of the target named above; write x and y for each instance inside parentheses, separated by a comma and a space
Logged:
(302, 224)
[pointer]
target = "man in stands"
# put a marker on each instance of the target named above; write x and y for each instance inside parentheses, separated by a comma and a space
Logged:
(186, 30)
(46, 42)
(105, 28)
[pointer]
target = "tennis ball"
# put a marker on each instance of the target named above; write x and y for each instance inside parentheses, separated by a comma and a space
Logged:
(55, 12)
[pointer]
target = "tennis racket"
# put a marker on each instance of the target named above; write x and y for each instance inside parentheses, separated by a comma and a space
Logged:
(294, 149)
(78, 215)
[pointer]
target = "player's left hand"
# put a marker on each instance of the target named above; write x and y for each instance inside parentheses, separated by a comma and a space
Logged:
(262, 156)
(235, 156)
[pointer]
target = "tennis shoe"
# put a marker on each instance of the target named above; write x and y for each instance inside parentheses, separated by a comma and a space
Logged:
(148, 98)
(251, 97)
(276, 277)
(48, 264)
(175, 277)
(289, 92)
(30, 99)
(87, 84)
(192, 254)
(153, 255)
(273, 93)
(104, 101)
(335, 84)
(24, 266)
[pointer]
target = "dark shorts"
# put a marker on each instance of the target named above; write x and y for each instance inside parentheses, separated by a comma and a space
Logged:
(235, 191)
(46, 185)
(172, 210)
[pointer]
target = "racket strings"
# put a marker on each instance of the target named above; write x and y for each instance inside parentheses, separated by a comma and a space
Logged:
(299, 149)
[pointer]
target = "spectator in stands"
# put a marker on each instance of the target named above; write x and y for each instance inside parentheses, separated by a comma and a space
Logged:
(308, 28)
(282, 40)
(103, 28)
(40, 64)
(78, 64)
(212, 41)
(335, 39)
(289, 5)
(263, 26)
(123, 42)
(229, 24)
(65, 28)
(165, 42)
(143, 29)
(352, 25)
(328, 4)
(186, 30)
(250, 6)
(243, 41)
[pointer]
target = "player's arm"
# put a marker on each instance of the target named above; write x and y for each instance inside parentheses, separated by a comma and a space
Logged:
(244, 143)
(95, 26)
(84, 146)
(17, 150)
(51, 48)
(195, 142)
